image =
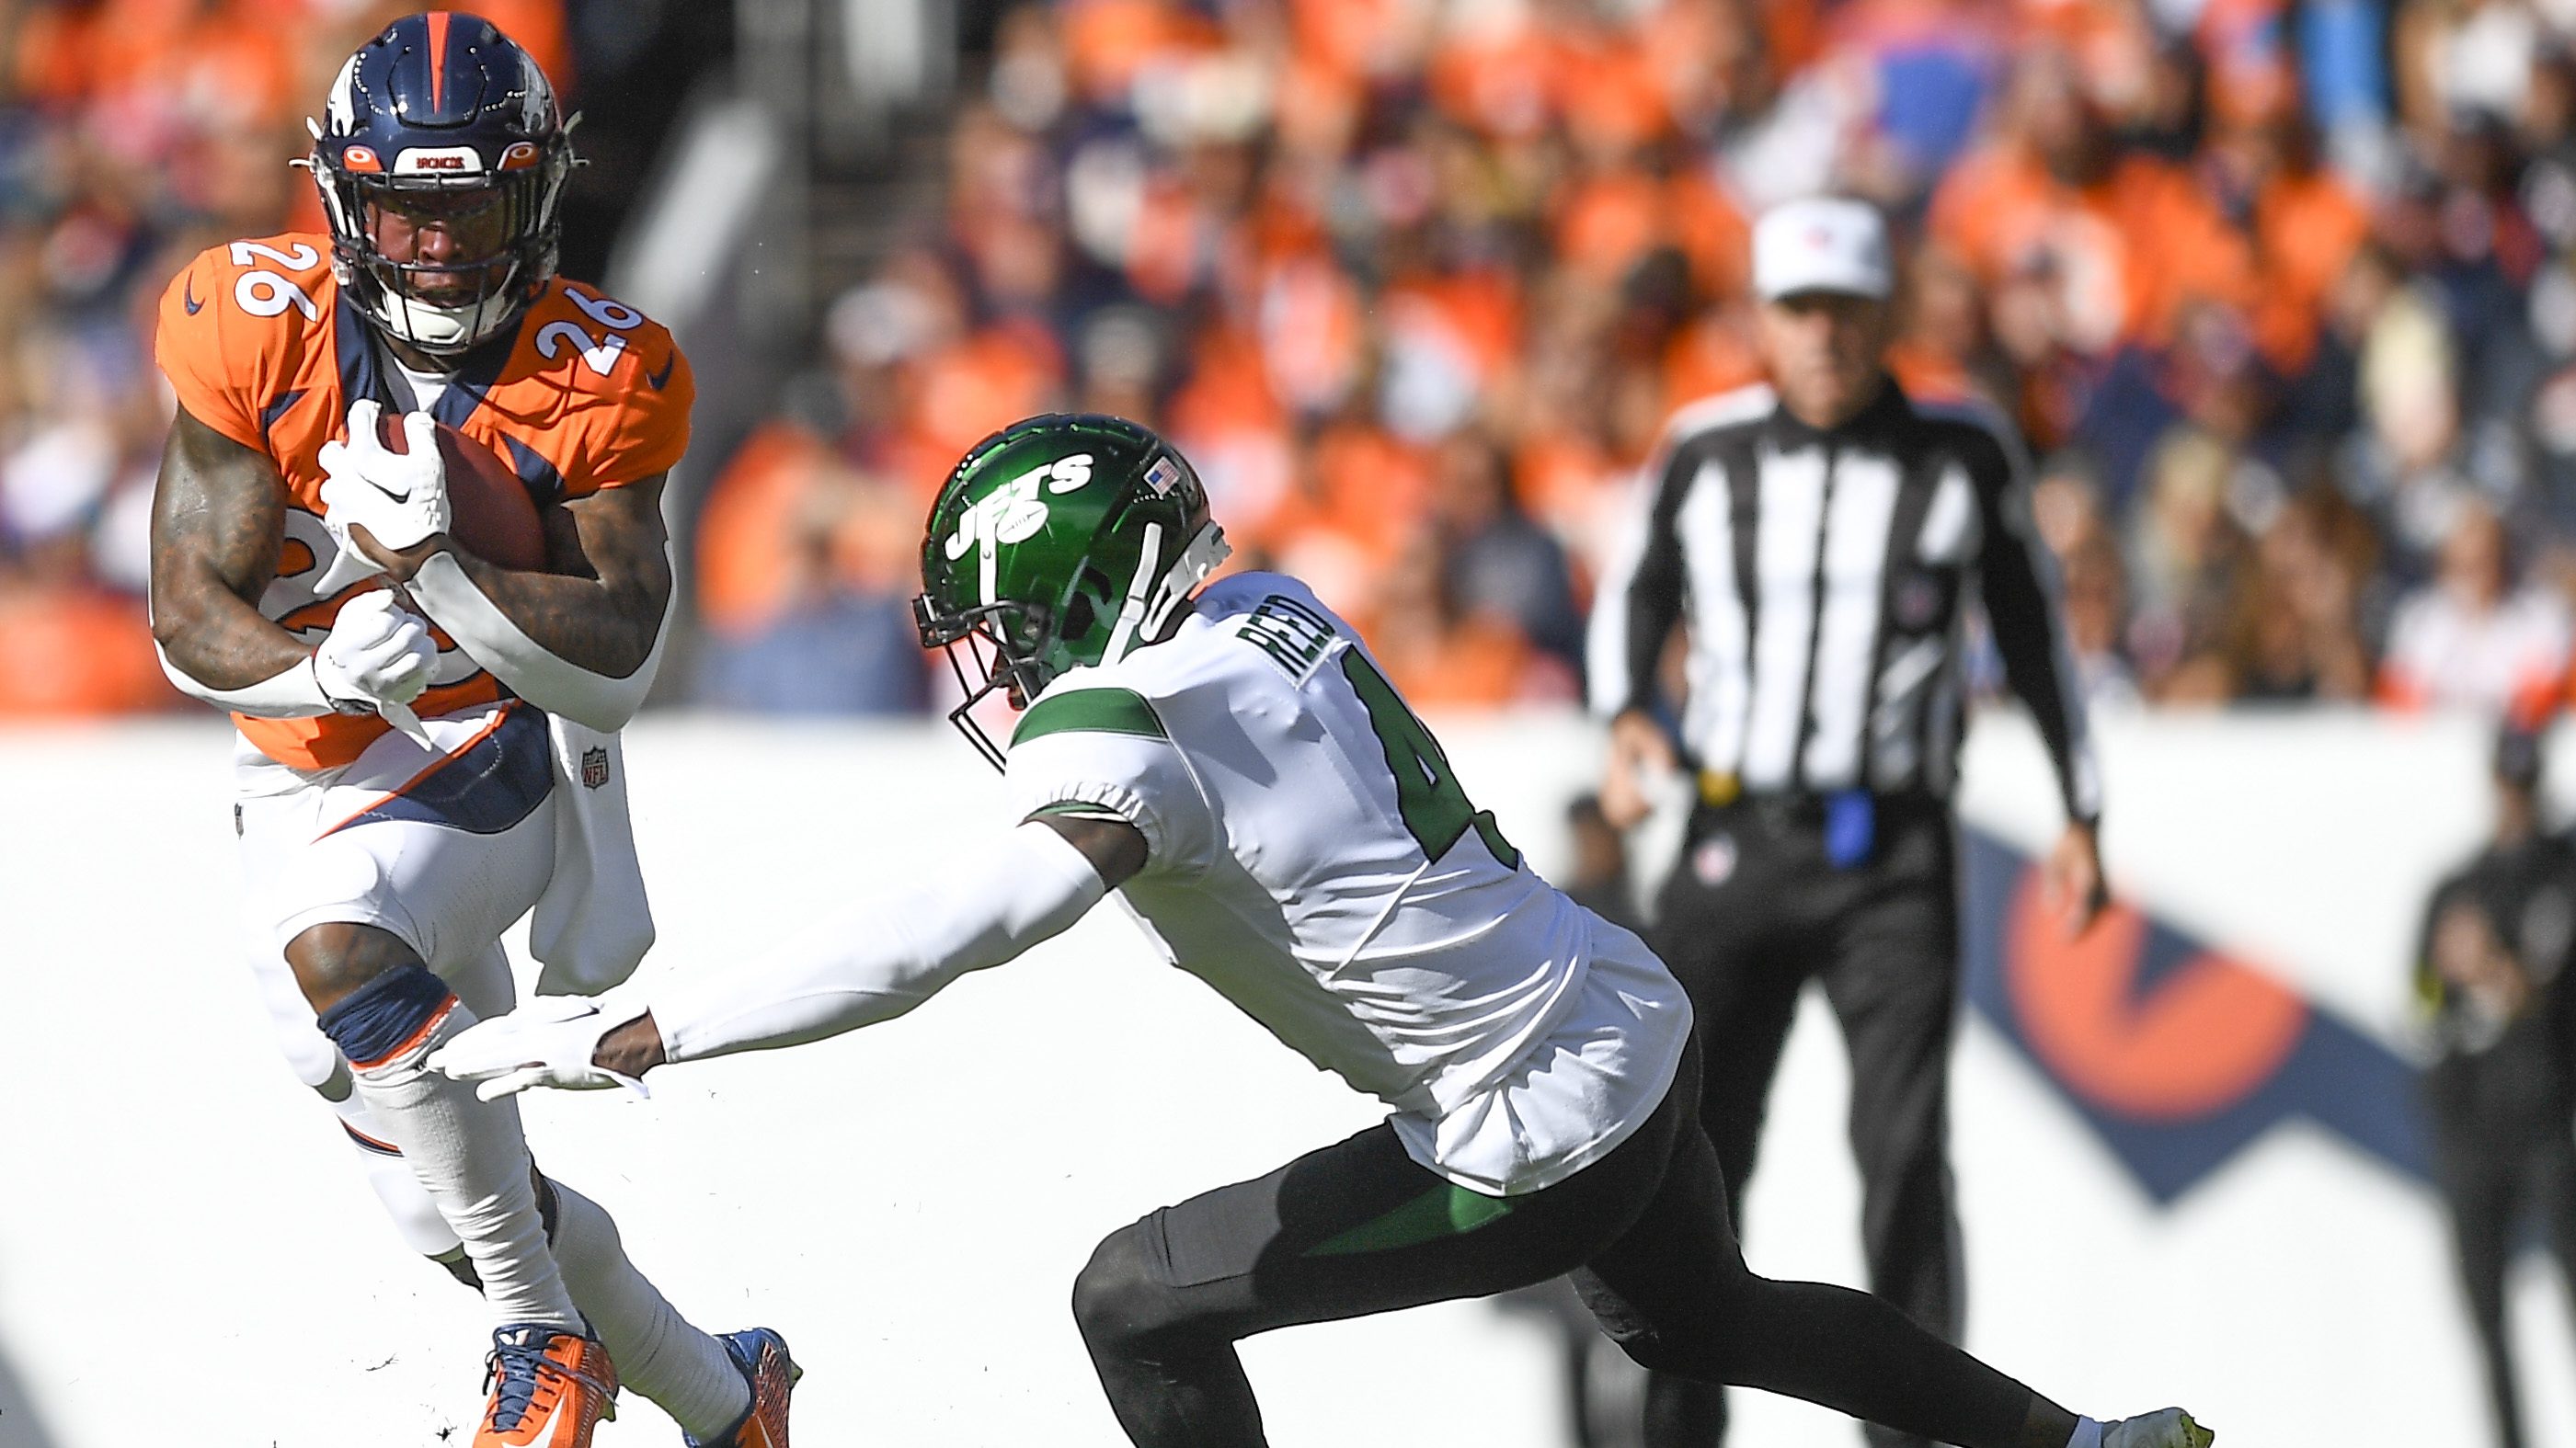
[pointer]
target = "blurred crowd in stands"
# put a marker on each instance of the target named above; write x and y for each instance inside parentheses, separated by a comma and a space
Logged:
(133, 133)
(2283, 299)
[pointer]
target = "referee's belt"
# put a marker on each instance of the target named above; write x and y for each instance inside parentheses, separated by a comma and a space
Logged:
(1723, 790)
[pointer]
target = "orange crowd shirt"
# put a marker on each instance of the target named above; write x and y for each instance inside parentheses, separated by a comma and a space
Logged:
(260, 345)
(743, 530)
(1109, 42)
(2308, 227)
(2122, 255)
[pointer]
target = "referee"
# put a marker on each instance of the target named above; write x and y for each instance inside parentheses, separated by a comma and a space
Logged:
(1819, 536)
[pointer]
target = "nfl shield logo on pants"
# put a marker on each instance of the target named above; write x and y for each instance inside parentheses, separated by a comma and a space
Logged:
(594, 767)
(1714, 860)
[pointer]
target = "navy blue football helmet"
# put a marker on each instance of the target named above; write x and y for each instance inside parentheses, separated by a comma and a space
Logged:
(441, 158)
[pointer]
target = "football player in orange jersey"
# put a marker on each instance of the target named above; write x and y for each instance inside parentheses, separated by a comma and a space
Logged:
(304, 579)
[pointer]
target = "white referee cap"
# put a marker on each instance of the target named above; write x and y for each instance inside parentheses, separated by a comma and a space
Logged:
(1821, 244)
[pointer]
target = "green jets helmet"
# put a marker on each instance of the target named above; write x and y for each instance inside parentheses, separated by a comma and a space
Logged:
(1061, 541)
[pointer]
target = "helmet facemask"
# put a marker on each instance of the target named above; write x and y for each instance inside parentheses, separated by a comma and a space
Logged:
(441, 126)
(991, 648)
(503, 222)
(1018, 648)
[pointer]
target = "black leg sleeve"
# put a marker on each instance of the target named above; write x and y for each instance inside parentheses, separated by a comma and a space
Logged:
(1676, 1293)
(1353, 1229)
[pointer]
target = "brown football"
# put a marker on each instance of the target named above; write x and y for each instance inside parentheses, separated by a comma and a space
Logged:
(494, 518)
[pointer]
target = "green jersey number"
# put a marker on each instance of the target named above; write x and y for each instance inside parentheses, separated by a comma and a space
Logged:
(1436, 811)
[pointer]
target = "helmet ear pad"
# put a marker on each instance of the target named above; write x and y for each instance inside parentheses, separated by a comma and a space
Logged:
(1093, 599)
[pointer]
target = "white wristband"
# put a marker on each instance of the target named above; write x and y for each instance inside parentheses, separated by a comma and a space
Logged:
(292, 693)
(543, 678)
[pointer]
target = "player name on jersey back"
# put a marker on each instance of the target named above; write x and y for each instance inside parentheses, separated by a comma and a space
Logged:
(1296, 637)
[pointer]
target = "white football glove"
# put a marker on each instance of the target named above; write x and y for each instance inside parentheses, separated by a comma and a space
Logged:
(377, 653)
(547, 1042)
(400, 497)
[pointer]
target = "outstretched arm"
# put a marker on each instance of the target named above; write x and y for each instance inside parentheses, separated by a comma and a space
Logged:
(861, 967)
(891, 956)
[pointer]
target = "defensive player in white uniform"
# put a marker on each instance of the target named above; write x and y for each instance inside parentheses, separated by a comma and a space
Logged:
(1236, 765)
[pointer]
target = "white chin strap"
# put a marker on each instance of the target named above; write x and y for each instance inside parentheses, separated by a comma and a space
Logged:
(1155, 591)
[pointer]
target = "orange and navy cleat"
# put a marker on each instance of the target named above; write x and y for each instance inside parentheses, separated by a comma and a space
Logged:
(550, 1387)
(762, 1356)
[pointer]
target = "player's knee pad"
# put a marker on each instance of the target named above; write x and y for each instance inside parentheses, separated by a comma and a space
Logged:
(1119, 1298)
(392, 1016)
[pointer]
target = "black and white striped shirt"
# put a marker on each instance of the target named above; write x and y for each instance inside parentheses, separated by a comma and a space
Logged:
(1822, 575)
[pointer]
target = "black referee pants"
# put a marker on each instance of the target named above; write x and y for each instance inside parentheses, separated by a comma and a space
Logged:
(1753, 911)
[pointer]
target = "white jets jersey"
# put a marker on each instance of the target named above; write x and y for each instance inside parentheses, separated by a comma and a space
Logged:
(1311, 857)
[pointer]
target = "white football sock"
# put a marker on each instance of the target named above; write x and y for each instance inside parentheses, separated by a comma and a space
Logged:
(2088, 1434)
(416, 1217)
(685, 1372)
(473, 1160)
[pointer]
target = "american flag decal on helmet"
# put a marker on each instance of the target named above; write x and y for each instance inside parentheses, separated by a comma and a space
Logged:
(1162, 475)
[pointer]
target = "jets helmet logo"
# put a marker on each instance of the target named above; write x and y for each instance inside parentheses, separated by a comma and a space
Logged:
(1014, 512)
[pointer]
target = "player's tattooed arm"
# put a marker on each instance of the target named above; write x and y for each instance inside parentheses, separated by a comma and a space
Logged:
(217, 526)
(600, 605)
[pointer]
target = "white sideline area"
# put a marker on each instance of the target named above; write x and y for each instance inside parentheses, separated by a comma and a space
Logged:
(188, 1253)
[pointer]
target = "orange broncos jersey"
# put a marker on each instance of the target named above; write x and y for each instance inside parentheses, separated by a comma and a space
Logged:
(260, 346)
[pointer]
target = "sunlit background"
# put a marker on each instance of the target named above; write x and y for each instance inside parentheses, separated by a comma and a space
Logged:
(2278, 293)
(2282, 294)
